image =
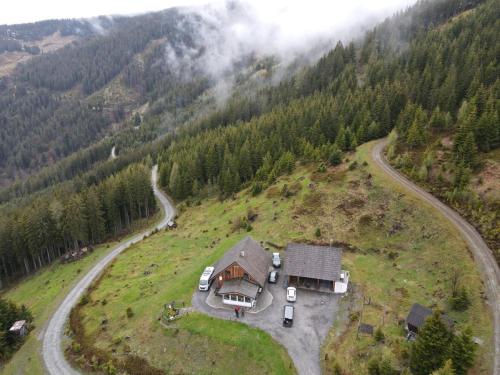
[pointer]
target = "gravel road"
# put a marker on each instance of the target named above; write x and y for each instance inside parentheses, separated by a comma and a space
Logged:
(483, 256)
(53, 355)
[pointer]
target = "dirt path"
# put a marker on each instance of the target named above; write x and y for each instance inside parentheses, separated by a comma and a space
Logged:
(483, 256)
(112, 154)
(52, 351)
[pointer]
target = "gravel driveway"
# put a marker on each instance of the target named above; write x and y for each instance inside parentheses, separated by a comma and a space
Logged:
(314, 315)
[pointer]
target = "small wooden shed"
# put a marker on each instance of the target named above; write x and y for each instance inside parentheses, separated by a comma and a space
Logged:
(19, 328)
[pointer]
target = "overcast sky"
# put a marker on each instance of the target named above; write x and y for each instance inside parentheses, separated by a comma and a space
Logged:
(21, 11)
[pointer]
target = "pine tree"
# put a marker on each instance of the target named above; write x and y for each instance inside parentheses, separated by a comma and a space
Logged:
(341, 141)
(416, 133)
(447, 369)
(175, 182)
(75, 220)
(431, 348)
(94, 215)
(462, 352)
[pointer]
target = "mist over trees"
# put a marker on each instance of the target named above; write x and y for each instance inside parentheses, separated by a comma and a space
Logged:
(422, 72)
(413, 91)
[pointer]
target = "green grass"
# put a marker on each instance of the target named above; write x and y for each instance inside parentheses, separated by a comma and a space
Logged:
(167, 266)
(42, 293)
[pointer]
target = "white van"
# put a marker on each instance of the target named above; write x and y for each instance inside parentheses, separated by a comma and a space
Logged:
(205, 277)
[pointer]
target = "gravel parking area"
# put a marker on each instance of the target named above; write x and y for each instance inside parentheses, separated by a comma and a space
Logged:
(314, 315)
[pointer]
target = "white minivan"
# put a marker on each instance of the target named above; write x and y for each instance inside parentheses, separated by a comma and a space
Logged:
(205, 277)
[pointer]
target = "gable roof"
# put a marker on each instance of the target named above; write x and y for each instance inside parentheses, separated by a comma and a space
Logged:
(418, 314)
(312, 261)
(240, 286)
(250, 256)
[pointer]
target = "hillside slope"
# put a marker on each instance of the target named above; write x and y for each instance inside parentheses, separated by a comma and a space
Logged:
(399, 254)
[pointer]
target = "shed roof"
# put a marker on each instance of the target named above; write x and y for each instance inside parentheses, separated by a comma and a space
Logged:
(418, 314)
(17, 325)
(239, 286)
(312, 261)
(250, 256)
(365, 328)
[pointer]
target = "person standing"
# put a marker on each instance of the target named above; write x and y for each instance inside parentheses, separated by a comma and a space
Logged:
(242, 312)
(236, 312)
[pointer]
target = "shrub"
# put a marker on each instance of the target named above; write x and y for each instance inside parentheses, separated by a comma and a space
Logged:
(130, 313)
(76, 347)
(84, 300)
(322, 168)
(460, 301)
(256, 188)
(365, 220)
(109, 368)
(353, 165)
(317, 233)
(379, 335)
(381, 365)
(335, 157)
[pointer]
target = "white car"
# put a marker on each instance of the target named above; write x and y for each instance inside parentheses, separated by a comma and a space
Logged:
(276, 260)
(291, 294)
(204, 279)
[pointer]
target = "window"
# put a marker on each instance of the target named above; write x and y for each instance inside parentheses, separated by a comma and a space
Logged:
(234, 298)
(248, 300)
(241, 299)
(227, 297)
(245, 276)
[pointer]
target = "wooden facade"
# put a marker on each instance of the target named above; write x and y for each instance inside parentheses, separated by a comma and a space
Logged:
(234, 271)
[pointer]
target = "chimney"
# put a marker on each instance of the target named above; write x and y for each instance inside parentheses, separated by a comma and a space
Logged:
(242, 253)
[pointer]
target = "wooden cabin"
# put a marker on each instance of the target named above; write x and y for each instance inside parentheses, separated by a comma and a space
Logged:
(241, 273)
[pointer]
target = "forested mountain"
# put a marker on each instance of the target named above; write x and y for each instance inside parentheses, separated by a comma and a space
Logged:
(438, 73)
(60, 102)
(23, 37)
(36, 106)
(428, 72)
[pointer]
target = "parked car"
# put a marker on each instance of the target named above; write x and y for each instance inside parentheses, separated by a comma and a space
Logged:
(288, 312)
(291, 294)
(276, 260)
(273, 277)
(204, 279)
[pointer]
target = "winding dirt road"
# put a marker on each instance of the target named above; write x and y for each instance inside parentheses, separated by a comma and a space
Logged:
(52, 351)
(483, 256)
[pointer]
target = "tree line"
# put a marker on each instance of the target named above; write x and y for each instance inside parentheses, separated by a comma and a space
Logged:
(445, 81)
(38, 234)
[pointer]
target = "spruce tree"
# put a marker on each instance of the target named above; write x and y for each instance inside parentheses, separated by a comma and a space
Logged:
(462, 352)
(175, 182)
(447, 369)
(431, 348)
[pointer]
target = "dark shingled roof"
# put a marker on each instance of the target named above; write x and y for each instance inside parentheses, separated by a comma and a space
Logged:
(365, 328)
(418, 314)
(255, 261)
(239, 286)
(315, 262)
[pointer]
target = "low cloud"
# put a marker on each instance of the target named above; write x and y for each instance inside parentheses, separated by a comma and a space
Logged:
(229, 31)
